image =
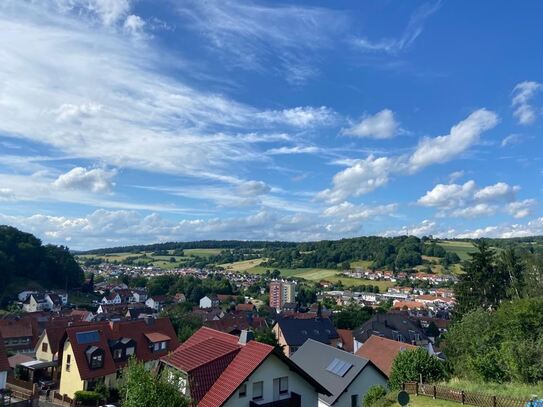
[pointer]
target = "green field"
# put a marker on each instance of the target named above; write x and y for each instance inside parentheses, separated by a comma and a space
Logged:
(424, 401)
(242, 265)
(202, 252)
(315, 274)
(513, 390)
(462, 249)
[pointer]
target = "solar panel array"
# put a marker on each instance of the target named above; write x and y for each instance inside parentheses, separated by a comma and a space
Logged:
(84, 338)
(339, 367)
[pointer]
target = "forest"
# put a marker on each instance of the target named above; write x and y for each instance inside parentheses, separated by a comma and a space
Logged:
(24, 257)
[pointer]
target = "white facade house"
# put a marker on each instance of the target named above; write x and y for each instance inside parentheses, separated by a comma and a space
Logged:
(209, 302)
(112, 299)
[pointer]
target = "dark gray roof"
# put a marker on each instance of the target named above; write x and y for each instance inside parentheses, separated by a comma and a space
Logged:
(397, 327)
(297, 331)
(314, 357)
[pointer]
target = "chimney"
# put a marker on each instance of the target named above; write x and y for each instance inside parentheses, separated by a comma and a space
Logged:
(149, 320)
(246, 336)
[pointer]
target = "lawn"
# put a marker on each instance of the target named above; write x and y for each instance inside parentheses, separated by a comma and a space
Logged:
(365, 264)
(202, 252)
(316, 274)
(242, 265)
(513, 390)
(461, 248)
(424, 401)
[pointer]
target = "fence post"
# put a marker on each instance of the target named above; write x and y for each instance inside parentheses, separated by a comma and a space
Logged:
(463, 395)
(416, 388)
(435, 392)
(403, 386)
(494, 401)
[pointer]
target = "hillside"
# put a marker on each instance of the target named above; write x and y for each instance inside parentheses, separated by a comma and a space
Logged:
(24, 260)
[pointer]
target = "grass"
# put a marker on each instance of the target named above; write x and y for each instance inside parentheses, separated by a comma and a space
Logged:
(461, 248)
(316, 274)
(202, 252)
(424, 401)
(365, 264)
(242, 265)
(513, 390)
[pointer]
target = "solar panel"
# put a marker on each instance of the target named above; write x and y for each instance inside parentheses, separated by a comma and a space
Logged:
(87, 337)
(339, 367)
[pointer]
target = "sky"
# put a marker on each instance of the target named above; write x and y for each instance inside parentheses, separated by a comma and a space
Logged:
(139, 121)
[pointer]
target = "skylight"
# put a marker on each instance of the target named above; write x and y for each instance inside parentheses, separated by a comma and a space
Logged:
(339, 367)
(87, 337)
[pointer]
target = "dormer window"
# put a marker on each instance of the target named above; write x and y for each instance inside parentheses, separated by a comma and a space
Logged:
(95, 357)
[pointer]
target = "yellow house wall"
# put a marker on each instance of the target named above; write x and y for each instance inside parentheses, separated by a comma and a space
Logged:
(41, 355)
(70, 381)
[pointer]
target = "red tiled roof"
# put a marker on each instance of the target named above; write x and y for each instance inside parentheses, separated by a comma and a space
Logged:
(245, 363)
(245, 307)
(11, 328)
(382, 351)
(346, 337)
(134, 329)
(4, 364)
(230, 323)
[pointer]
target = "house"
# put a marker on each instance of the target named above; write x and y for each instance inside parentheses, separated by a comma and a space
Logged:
(48, 342)
(217, 369)
(4, 365)
(180, 298)
(19, 334)
(292, 333)
(112, 299)
(209, 302)
(54, 301)
(235, 323)
(157, 302)
(394, 326)
(250, 308)
(382, 352)
(346, 376)
(96, 353)
(139, 295)
(346, 340)
(35, 302)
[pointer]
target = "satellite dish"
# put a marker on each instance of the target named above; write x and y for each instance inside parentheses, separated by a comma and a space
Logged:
(403, 398)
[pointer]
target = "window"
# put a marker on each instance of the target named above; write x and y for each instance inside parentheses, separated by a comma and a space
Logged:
(119, 373)
(283, 385)
(156, 346)
(354, 400)
(97, 361)
(68, 362)
(258, 390)
(117, 353)
(243, 390)
(44, 347)
(130, 351)
(163, 345)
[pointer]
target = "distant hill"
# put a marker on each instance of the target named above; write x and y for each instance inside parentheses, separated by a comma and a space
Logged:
(25, 260)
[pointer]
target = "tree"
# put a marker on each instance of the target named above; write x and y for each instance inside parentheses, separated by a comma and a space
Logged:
(352, 316)
(514, 267)
(432, 330)
(410, 365)
(142, 388)
(483, 284)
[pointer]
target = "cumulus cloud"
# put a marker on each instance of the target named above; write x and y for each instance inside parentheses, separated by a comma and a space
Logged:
(382, 125)
(95, 180)
(523, 93)
(368, 174)
(349, 211)
(468, 200)
(362, 177)
(462, 136)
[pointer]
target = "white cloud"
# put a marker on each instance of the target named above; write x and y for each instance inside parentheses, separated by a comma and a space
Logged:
(368, 174)
(523, 94)
(133, 24)
(351, 212)
(426, 228)
(497, 192)
(381, 125)
(293, 150)
(462, 136)
(448, 196)
(6, 194)
(469, 201)
(95, 180)
(253, 188)
(521, 209)
(453, 176)
(69, 112)
(512, 139)
(411, 33)
(362, 177)
(302, 117)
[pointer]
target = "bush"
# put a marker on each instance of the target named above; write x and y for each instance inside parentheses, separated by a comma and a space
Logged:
(87, 397)
(411, 364)
(374, 394)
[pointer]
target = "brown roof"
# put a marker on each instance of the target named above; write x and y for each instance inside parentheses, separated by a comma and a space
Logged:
(245, 307)
(346, 337)
(137, 330)
(4, 364)
(18, 328)
(19, 358)
(382, 351)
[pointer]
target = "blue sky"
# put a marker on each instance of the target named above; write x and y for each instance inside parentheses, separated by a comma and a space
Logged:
(138, 121)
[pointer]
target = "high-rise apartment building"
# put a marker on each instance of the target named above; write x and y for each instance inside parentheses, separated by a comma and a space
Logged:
(281, 292)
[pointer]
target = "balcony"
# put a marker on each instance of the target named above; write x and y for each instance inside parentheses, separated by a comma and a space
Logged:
(294, 400)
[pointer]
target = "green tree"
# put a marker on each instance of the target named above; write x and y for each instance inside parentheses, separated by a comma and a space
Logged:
(410, 365)
(143, 388)
(373, 395)
(352, 316)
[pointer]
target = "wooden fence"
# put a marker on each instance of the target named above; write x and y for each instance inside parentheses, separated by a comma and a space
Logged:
(460, 396)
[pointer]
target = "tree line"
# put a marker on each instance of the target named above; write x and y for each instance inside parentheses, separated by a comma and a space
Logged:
(24, 257)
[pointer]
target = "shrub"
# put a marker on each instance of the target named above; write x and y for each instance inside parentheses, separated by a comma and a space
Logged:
(87, 397)
(374, 394)
(411, 364)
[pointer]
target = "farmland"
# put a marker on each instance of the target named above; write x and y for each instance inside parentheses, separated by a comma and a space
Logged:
(461, 248)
